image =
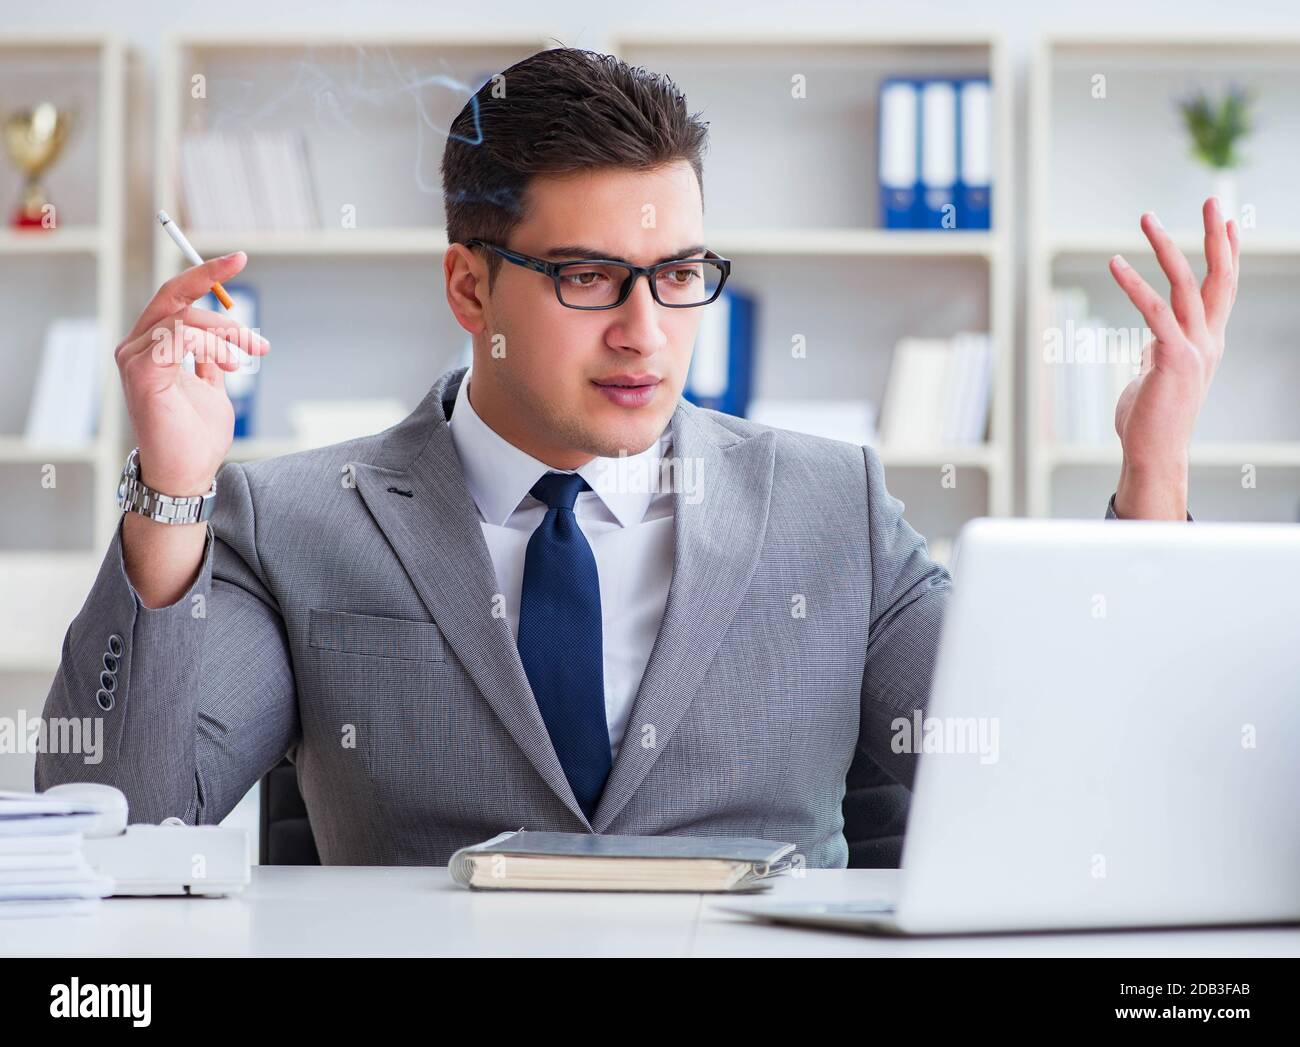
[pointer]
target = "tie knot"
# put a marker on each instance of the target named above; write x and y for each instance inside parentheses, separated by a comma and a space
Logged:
(559, 490)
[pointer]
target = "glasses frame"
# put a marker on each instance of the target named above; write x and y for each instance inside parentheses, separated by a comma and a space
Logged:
(555, 269)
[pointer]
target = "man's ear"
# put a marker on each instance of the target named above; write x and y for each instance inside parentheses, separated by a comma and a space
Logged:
(465, 275)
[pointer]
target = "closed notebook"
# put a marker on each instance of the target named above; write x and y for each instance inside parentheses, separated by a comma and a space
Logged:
(550, 861)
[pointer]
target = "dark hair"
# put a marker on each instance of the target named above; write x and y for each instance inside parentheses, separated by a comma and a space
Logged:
(561, 110)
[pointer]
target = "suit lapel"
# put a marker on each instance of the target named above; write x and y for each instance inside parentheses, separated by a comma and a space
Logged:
(718, 540)
(436, 535)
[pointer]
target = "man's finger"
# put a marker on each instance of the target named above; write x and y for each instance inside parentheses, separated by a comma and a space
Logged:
(1216, 290)
(1184, 295)
(1155, 311)
(166, 344)
(224, 325)
(1234, 241)
(186, 288)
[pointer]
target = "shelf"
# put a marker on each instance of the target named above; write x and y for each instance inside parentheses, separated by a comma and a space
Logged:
(1217, 454)
(361, 243)
(867, 243)
(976, 456)
(16, 449)
(1133, 243)
(84, 239)
(432, 241)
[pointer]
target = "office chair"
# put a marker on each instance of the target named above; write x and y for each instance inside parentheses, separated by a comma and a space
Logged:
(875, 814)
(285, 832)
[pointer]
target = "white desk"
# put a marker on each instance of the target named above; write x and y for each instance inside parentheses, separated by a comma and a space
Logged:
(386, 911)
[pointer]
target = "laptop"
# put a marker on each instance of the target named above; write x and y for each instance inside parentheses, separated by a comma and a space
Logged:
(1112, 738)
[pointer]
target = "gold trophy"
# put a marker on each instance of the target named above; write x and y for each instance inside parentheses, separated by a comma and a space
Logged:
(34, 138)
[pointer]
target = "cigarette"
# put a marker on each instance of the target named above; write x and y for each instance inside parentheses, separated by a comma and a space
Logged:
(174, 231)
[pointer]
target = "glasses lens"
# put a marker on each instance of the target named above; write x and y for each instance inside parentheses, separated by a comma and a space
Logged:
(588, 284)
(690, 282)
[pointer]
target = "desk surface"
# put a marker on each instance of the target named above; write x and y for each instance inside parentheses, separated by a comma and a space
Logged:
(391, 911)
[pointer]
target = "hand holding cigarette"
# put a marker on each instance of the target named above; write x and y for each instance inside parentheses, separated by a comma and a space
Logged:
(184, 422)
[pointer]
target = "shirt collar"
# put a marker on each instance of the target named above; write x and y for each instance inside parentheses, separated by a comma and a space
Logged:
(499, 475)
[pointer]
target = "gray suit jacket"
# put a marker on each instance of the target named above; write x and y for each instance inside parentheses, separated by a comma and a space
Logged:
(344, 615)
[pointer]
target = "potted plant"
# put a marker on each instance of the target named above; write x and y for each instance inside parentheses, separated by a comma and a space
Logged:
(1216, 126)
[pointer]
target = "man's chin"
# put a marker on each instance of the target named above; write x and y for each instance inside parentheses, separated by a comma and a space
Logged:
(610, 435)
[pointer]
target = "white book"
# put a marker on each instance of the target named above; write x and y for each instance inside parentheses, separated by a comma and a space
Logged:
(912, 411)
(1068, 315)
(262, 182)
(241, 190)
(214, 158)
(977, 348)
(65, 399)
(194, 201)
(307, 214)
(957, 390)
(898, 123)
(976, 133)
(938, 135)
(707, 376)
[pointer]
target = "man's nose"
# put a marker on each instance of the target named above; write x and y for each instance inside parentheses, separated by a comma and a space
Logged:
(638, 325)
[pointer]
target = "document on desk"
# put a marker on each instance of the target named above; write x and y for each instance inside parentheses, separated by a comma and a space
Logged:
(551, 861)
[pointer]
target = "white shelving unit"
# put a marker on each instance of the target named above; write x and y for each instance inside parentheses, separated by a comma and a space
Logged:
(791, 196)
(52, 540)
(1096, 164)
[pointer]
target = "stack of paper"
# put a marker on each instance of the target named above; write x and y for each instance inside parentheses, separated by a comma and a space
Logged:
(65, 400)
(938, 392)
(256, 180)
(42, 869)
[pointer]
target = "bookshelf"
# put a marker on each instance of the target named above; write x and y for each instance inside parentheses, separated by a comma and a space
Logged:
(804, 236)
(1084, 207)
(52, 539)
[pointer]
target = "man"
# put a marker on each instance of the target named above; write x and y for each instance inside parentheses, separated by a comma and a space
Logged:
(480, 619)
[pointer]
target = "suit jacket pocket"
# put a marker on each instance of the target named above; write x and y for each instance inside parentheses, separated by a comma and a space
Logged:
(375, 636)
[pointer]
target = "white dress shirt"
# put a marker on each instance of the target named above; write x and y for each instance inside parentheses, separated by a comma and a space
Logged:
(627, 519)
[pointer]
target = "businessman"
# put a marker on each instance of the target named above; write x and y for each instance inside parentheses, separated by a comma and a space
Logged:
(484, 617)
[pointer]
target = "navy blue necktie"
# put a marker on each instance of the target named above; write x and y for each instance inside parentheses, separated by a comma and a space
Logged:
(560, 638)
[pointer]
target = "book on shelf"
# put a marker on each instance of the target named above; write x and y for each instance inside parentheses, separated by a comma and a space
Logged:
(938, 392)
(935, 152)
(1087, 364)
(241, 385)
(256, 180)
(722, 363)
(65, 400)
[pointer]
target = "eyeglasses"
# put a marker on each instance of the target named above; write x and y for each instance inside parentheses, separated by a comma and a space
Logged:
(602, 283)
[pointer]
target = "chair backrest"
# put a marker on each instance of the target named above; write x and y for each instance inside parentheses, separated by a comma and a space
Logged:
(875, 815)
(286, 837)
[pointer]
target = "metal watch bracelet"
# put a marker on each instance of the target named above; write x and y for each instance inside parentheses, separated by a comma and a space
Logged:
(136, 497)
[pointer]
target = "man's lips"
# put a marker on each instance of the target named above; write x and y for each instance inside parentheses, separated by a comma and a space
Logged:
(628, 380)
(628, 390)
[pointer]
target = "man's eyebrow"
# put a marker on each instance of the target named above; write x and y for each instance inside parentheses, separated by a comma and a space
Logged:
(576, 252)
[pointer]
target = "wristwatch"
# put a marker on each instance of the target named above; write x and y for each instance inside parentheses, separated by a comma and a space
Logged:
(136, 497)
